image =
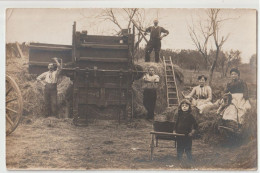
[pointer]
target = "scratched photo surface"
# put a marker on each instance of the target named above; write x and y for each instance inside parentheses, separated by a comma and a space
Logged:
(131, 89)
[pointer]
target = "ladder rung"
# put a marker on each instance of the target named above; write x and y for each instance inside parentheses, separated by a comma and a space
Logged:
(172, 98)
(169, 70)
(170, 81)
(172, 92)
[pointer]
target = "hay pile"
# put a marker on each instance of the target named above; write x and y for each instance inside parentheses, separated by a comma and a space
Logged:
(161, 102)
(32, 91)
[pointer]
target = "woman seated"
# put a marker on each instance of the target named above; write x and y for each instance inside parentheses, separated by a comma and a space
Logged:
(239, 91)
(229, 114)
(201, 94)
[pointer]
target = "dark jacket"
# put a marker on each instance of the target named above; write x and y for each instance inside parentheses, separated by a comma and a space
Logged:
(185, 122)
(156, 32)
(238, 86)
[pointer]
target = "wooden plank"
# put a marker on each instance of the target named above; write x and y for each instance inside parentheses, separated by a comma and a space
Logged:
(103, 59)
(104, 46)
(164, 133)
(36, 63)
(50, 45)
(52, 48)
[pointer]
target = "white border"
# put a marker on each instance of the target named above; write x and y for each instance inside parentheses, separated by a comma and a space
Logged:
(252, 4)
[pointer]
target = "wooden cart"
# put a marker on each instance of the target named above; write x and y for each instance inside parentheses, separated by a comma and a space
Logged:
(163, 131)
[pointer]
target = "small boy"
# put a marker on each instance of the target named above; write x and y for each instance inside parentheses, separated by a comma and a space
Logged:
(185, 124)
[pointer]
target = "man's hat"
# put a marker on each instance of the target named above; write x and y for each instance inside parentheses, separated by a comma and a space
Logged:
(156, 20)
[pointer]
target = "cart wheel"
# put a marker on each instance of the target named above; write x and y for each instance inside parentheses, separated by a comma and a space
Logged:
(14, 105)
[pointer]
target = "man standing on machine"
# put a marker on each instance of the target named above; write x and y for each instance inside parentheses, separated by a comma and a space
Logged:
(155, 40)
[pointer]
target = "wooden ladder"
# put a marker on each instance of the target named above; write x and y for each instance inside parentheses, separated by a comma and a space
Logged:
(172, 90)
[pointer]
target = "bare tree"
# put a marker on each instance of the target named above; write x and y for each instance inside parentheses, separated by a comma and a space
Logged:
(200, 35)
(213, 15)
(203, 31)
(112, 15)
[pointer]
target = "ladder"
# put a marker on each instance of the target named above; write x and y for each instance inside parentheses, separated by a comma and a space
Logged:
(172, 90)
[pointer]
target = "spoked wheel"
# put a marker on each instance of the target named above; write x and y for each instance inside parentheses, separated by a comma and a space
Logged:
(14, 105)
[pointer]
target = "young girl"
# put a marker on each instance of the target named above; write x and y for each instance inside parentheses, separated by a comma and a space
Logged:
(185, 124)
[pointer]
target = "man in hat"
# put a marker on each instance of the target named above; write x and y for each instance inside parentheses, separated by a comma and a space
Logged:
(155, 40)
(49, 80)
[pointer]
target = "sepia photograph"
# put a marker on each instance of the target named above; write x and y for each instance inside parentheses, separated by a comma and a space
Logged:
(131, 89)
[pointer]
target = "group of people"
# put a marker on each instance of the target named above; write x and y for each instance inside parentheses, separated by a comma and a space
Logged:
(231, 107)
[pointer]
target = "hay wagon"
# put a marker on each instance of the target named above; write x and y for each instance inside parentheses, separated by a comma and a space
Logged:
(101, 68)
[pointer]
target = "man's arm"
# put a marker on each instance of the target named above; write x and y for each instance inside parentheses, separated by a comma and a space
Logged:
(157, 79)
(164, 31)
(147, 30)
(58, 66)
(41, 77)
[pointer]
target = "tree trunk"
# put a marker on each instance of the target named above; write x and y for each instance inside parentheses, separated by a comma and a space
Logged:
(213, 66)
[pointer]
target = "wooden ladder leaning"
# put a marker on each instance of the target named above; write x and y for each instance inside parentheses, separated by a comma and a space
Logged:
(172, 89)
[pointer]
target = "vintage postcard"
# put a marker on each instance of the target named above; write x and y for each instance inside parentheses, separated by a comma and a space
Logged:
(131, 89)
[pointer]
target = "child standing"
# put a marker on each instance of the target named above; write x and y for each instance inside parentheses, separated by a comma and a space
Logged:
(185, 124)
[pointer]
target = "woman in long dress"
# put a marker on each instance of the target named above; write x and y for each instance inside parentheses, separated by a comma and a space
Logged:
(238, 89)
(202, 94)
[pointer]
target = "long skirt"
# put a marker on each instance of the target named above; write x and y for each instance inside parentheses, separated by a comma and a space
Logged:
(241, 104)
(202, 104)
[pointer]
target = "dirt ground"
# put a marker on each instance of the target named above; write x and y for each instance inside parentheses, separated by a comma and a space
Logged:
(50, 143)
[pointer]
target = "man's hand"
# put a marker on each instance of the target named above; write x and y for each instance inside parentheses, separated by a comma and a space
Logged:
(164, 35)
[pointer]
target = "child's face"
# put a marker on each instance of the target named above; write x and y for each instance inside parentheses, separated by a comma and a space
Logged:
(185, 107)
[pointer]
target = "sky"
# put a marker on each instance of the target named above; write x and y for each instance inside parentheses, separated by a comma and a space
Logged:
(55, 26)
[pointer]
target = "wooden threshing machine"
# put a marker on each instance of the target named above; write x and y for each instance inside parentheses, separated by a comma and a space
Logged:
(101, 68)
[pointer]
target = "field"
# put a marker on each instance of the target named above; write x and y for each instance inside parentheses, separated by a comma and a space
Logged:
(57, 144)
(51, 143)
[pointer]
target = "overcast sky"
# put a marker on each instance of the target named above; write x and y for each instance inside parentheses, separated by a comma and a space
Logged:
(55, 26)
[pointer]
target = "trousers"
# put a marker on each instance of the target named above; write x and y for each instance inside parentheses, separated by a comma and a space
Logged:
(153, 45)
(50, 99)
(184, 144)
(149, 101)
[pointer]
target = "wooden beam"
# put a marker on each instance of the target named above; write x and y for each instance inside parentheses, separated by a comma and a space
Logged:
(19, 50)
(140, 30)
(96, 59)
